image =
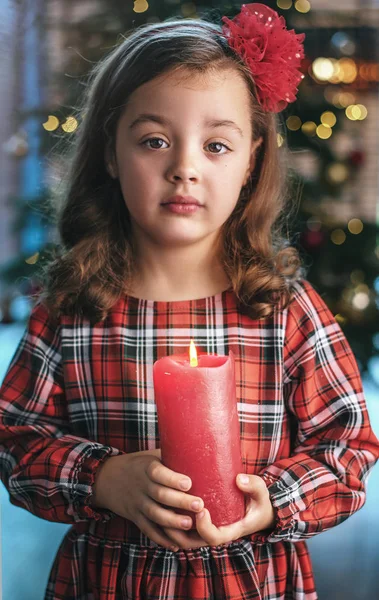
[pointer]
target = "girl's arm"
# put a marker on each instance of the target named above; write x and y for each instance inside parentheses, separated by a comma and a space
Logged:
(46, 470)
(323, 482)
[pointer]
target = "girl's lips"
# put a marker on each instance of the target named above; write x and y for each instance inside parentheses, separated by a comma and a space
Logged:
(178, 208)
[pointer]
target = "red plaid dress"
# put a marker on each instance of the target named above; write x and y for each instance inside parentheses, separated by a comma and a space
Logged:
(78, 393)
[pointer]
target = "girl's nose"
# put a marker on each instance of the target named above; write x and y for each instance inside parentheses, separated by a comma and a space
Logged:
(183, 168)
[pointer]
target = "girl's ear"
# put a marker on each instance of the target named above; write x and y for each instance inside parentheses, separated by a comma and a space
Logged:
(110, 164)
(112, 170)
(255, 145)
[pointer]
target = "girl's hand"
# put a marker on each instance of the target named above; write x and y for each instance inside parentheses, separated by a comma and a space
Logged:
(259, 515)
(136, 485)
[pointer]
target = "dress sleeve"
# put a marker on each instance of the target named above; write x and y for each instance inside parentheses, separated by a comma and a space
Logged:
(45, 469)
(323, 482)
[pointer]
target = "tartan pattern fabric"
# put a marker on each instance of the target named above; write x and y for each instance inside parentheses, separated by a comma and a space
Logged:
(77, 394)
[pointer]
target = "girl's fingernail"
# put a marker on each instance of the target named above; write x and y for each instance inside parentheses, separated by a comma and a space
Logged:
(201, 514)
(174, 548)
(243, 479)
(184, 484)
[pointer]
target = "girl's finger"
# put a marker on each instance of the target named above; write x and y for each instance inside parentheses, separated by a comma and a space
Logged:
(206, 529)
(161, 474)
(162, 516)
(218, 535)
(155, 533)
(186, 541)
(169, 497)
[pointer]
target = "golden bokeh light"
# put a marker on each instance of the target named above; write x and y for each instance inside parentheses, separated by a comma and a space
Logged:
(51, 124)
(356, 112)
(32, 259)
(280, 140)
(293, 123)
(338, 236)
(355, 226)
(284, 4)
(328, 118)
(337, 173)
(140, 6)
(309, 128)
(324, 132)
(349, 70)
(302, 6)
(363, 110)
(343, 99)
(70, 125)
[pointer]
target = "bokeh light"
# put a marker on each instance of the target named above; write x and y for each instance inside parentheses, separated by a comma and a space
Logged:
(355, 226)
(338, 236)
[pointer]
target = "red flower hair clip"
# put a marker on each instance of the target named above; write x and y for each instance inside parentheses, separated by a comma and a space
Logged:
(272, 53)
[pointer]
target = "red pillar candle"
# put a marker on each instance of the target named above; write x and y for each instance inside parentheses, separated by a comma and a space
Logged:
(199, 429)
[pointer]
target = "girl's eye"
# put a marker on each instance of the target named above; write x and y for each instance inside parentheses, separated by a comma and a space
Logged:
(146, 142)
(152, 140)
(218, 144)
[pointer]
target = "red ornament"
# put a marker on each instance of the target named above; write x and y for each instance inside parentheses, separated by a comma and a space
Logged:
(272, 52)
(312, 240)
(357, 158)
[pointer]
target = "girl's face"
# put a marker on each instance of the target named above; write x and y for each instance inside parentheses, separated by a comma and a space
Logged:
(177, 150)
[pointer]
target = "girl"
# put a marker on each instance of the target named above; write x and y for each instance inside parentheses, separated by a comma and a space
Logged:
(170, 231)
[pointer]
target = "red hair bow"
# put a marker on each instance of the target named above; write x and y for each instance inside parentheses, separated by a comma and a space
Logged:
(272, 53)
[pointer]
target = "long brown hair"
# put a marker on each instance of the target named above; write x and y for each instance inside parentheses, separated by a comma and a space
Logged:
(94, 263)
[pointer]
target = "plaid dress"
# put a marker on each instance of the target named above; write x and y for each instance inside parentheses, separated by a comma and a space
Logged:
(76, 394)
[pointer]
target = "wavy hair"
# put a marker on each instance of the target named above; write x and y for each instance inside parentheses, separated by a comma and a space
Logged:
(94, 260)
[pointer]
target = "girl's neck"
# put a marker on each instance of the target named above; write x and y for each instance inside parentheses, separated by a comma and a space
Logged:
(162, 293)
(178, 275)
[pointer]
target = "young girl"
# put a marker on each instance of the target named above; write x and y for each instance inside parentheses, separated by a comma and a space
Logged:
(170, 231)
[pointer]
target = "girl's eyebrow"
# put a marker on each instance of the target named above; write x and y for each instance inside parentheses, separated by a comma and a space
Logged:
(213, 123)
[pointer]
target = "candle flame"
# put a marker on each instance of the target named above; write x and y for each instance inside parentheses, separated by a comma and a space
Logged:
(193, 354)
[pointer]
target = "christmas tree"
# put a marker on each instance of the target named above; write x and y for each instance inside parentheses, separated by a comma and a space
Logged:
(340, 251)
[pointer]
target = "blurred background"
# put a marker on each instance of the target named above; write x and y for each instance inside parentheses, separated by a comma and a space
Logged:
(47, 48)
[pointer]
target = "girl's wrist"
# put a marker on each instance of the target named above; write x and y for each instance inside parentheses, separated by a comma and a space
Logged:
(99, 486)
